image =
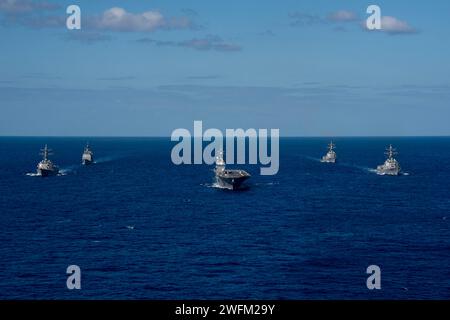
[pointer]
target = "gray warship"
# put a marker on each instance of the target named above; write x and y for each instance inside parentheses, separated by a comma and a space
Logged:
(46, 168)
(229, 179)
(88, 156)
(330, 157)
(390, 166)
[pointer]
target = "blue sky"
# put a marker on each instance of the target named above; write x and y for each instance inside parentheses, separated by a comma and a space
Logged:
(145, 68)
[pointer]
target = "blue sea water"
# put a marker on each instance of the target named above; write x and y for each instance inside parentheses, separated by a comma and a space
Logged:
(140, 227)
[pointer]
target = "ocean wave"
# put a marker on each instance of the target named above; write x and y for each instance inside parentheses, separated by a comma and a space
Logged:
(61, 173)
(33, 174)
(266, 183)
(215, 185)
(65, 172)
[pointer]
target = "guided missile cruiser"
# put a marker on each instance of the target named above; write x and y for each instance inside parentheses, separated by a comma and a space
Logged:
(88, 156)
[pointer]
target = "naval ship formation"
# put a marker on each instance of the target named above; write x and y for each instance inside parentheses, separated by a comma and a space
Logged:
(232, 179)
(389, 167)
(47, 168)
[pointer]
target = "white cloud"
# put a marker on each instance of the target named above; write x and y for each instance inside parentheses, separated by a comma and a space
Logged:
(208, 43)
(118, 19)
(393, 25)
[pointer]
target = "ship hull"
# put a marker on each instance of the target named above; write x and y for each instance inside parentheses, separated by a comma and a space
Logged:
(328, 160)
(87, 162)
(381, 170)
(47, 173)
(231, 183)
(389, 172)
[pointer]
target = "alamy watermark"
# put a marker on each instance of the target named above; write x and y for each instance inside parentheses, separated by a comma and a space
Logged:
(74, 278)
(374, 280)
(73, 22)
(235, 139)
(373, 22)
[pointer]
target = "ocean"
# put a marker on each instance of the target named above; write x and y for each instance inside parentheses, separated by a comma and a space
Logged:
(140, 227)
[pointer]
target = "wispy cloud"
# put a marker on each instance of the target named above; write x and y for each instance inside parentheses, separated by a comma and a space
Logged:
(7, 81)
(267, 33)
(340, 29)
(86, 37)
(302, 19)
(34, 14)
(389, 24)
(22, 6)
(120, 78)
(189, 12)
(342, 16)
(205, 77)
(31, 14)
(118, 19)
(40, 75)
(208, 43)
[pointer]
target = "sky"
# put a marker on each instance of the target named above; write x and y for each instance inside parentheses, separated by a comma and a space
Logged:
(148, 67)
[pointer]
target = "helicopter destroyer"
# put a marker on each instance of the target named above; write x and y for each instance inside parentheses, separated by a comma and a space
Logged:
(46, 168)
(390, 166)
(229, 179)
(88, 156)
(330, 157)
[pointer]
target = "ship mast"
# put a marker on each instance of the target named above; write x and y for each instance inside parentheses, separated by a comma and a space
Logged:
(220, 163)
(45, 152)
(390, 152)
(331, 146)
(219, 159)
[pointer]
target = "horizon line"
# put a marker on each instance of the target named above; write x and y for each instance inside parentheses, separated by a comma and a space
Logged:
(168, 137)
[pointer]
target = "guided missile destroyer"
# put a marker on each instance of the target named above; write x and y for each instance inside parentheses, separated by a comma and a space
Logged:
(229, 179)
(88, 156)
(390, 166)
(46, 168)
(331, 154)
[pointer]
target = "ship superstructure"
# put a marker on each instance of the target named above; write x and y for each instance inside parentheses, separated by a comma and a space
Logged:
(226, 178)
(46, 167)
(331, 156)
(88, 156)
(391, 165)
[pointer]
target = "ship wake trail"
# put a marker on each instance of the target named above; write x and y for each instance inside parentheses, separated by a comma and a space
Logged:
(343, 164)
(214, 184)
(371, 170)
(33, 174)
(105, 159)
(312, 158)
(62, 172)
(70, 169)
(266, 183)
(363, 168)
(384, 174)
(217, 185)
